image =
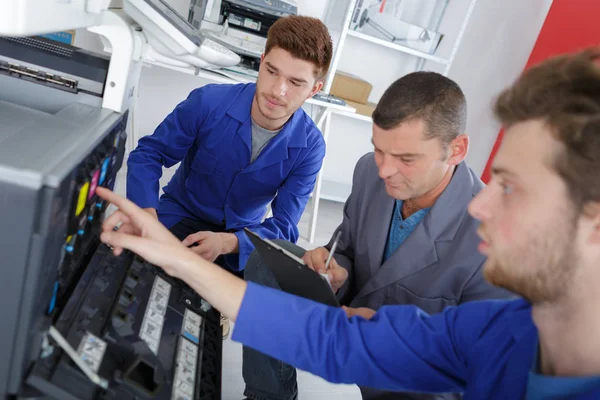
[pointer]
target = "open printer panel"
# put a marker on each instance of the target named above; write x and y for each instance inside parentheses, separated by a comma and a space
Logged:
(50, 166)
(67, 300)
(148, 335)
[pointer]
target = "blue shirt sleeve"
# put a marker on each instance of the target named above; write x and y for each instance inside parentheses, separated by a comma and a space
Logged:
(287, 206)
(167, 146)
(401, 348)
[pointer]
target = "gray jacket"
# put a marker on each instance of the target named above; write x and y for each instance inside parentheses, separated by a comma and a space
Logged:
(438, 265)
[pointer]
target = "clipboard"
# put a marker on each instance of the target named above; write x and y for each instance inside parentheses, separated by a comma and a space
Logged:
(292, 274)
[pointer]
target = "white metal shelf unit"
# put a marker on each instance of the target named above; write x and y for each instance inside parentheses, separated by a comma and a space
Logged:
(397, 47)
(337, 191)
(344, 32)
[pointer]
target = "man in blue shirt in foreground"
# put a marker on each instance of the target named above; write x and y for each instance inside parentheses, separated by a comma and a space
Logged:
(540, 225)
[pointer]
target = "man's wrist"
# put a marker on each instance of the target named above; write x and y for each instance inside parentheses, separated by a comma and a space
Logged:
(230, 243)
(183, 264)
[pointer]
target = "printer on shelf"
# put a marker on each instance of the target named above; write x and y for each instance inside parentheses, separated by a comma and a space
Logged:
(240, 25)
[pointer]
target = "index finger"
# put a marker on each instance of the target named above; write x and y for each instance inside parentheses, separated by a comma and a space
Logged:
(126, 206)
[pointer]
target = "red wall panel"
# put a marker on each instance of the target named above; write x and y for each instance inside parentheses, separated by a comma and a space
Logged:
(570, 25)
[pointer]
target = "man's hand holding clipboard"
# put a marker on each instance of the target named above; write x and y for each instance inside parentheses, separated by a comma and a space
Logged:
(323, 262)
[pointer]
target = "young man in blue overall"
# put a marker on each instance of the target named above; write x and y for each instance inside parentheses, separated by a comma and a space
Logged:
(241, 147)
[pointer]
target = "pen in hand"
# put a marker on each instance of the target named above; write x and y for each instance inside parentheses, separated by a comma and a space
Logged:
(335, 242)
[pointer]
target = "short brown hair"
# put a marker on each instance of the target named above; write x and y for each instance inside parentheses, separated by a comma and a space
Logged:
(429, 96)
(303, 37)
(564, 93)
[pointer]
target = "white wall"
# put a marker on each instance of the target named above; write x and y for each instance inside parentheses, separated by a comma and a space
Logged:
(312, 8)
(494, 50)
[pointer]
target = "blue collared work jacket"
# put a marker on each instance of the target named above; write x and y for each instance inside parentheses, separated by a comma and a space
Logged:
(484, 349)
(211, 134)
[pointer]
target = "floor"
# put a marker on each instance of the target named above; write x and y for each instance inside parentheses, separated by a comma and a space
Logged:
(310, 387)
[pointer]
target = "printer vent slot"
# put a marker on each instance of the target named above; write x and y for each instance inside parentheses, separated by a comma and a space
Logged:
(45, 45)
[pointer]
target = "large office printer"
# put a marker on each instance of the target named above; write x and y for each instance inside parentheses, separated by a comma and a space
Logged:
(240, 25)
(77, 321)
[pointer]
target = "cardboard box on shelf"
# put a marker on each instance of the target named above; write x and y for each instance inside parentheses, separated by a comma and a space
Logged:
(350, 87)
(363, 109)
